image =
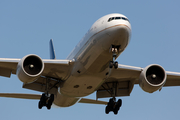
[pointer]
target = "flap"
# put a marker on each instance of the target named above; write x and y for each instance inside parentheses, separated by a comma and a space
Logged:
(120, 82)
(90, 101)
(8, 66)
(108, 89)
(40, 85)
(21, 95)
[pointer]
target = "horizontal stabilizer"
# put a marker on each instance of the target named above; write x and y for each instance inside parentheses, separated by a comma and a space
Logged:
(90, 101)
(22, 96)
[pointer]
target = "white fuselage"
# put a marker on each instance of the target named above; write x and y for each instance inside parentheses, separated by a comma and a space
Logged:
(91, 58)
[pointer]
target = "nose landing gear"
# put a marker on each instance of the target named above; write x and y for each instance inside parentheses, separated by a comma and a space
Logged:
(114, 49)
(113, 64)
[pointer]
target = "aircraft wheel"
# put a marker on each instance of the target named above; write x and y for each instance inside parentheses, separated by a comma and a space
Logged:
(43, 98)
(115, 111)
(116, 65)
(117, 107)
(119, 103)
(42, 101)
(50, 101)
(107, 110)
(40, 105)
(111, 64)
(48, 106)
(110, 106)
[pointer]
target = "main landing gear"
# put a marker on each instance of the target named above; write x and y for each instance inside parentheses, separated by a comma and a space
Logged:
(46, 100)
(114, 49)
(113, 106)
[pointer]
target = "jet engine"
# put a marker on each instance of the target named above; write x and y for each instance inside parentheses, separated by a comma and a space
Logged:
(29, 68)
(152, 78)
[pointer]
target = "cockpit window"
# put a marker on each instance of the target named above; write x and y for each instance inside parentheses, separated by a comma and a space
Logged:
(117, 18)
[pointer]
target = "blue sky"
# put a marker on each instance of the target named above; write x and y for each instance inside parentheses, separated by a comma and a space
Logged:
(27, 26)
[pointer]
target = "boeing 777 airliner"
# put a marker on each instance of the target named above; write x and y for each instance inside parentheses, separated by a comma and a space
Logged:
(90, 67)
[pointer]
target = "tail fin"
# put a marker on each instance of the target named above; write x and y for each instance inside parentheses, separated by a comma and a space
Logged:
(52, 51)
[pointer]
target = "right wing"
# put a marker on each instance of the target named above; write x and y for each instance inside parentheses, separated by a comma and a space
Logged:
(8, 66)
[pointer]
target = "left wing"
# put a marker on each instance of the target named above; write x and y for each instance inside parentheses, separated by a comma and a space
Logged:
(54, 71)
(123, 79)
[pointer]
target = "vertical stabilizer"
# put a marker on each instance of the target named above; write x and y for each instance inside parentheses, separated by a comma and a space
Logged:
(52, 51)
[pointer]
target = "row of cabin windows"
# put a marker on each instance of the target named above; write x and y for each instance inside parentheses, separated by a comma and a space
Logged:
(117, 18)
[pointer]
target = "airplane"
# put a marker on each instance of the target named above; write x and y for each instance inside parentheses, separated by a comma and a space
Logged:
(90, 67)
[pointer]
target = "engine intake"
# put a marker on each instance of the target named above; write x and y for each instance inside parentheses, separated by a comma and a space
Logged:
(32, 65)
(30, 68)
(152, 78)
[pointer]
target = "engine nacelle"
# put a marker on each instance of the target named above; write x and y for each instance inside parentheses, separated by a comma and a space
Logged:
(29, 68)
(152, 78)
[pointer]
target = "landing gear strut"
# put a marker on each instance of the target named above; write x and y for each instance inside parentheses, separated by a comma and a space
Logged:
(113, 106)
(114, 49)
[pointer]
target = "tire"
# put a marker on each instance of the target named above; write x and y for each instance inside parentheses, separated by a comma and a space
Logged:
(40, 105)
(115, 112)
(52, 98)
(111, 102)
(107, 110)
(116, 65)
(43, 100)
(48, 106)
(50, 101)
(43, 97)
(119, 103)
(117, 107)
(111, 64)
